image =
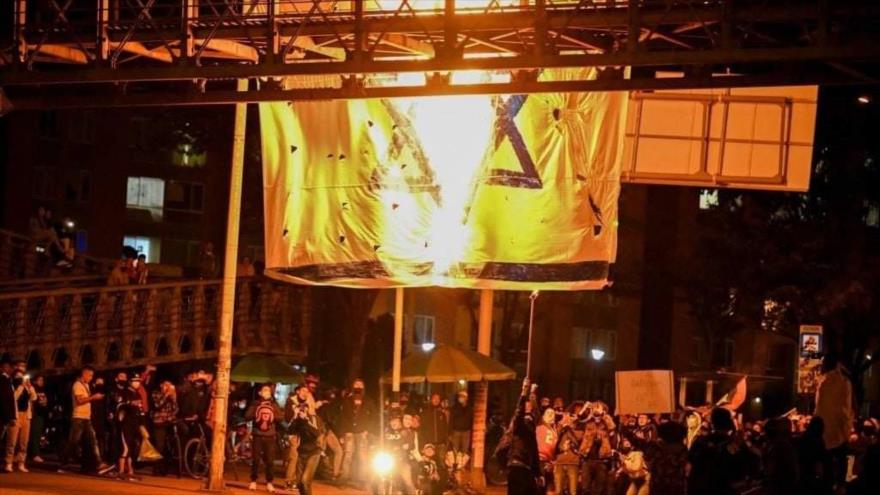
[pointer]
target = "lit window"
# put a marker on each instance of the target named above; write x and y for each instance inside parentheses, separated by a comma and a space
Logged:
(148, 246)
(146, 193)
(872, 213)
(708, 198)
(423, 329)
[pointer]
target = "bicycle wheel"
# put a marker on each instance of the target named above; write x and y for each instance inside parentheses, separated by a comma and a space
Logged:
(196, 458)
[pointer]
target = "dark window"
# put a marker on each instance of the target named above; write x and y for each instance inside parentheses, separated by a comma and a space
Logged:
(184, 196)
(44, 183)
(50, 125)
(78, 186)
(81, 127)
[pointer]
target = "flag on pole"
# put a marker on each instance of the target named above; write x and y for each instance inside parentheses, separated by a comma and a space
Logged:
(733, 399)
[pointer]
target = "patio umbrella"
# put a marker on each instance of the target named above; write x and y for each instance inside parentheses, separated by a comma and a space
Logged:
(264, 368)
(448, 364)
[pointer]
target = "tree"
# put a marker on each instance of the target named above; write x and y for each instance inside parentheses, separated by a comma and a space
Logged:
(776, 260)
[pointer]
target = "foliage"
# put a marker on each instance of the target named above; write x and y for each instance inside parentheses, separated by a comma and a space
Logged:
(777, 260)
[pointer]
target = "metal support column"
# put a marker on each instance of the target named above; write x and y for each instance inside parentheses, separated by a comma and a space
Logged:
(230, 262)
(398, 344)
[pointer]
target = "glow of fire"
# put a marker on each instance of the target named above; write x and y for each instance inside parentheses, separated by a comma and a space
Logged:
(454, 132)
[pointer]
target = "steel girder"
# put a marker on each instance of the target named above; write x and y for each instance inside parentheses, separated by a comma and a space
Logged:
(188, 51)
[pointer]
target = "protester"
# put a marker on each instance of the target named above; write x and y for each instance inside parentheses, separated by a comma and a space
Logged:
(245, 267)
(39, 416)
(781, 470)
(18, 434)
(81, 421)
(265, 414)
(667, 460)
(834, 406)
(305, 428)
(164, 416)
(713, 457)
(523, 468)
(813, 460)
(208, 262)
(297, 404)
(8, 406)
(129, 419)
(435, 427)
(141, 272)
(357, 418)
(462, 420)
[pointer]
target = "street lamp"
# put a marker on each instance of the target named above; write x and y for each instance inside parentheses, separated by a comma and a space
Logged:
(427, 346)
(597, 354)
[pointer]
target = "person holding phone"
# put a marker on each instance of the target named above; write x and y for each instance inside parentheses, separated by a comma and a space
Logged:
(81, 421)
(17, 435)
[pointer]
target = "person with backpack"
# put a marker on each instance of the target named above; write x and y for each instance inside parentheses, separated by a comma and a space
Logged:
(265, 413)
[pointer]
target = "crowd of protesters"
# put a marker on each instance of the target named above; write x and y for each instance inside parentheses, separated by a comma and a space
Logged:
(548, 445)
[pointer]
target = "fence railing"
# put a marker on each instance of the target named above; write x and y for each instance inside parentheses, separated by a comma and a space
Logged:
(110, 327)
(22, 258)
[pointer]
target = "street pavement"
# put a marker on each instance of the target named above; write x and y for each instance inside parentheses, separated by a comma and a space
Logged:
(50, 483)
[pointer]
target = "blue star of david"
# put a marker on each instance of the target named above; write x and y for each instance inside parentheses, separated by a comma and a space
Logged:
(403, 136)
(505, 128)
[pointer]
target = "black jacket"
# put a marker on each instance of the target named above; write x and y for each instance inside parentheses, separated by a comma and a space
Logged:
(357, 419)
(523, 443)
(462, 417)
(7, 400)
(435, 426)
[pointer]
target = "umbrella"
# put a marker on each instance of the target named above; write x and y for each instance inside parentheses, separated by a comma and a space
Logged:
(447, 364)
(264, 368)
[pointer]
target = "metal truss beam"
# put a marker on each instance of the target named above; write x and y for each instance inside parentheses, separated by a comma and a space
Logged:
(106, 96)
(150, 43)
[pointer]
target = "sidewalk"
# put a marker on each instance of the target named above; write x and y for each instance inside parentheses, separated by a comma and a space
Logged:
(50, 483)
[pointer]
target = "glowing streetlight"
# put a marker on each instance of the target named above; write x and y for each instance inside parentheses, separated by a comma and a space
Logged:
(756, 400)
(864, 99)
(383, 463)
(428, 346)
(597, 354)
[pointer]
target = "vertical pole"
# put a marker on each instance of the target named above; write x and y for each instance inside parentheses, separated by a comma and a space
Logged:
(710, 392)
(481, 396)
(682, 391)
(532, 298)
(230, 261)
(398, 344)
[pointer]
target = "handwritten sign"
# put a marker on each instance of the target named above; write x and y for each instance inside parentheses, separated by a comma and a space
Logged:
(644, 391)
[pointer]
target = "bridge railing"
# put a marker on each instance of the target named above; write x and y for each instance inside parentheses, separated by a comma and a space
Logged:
(132, 325)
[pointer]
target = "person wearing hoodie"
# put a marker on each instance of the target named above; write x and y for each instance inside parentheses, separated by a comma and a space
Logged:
(297, 402)
(565, 470)
(356, 420)
(265, 414)
(305, 426)
(523, 468)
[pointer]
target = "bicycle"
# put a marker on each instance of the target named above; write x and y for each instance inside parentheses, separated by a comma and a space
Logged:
(197, 453)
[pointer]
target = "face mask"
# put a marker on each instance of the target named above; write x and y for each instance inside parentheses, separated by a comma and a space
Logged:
(121, 383)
